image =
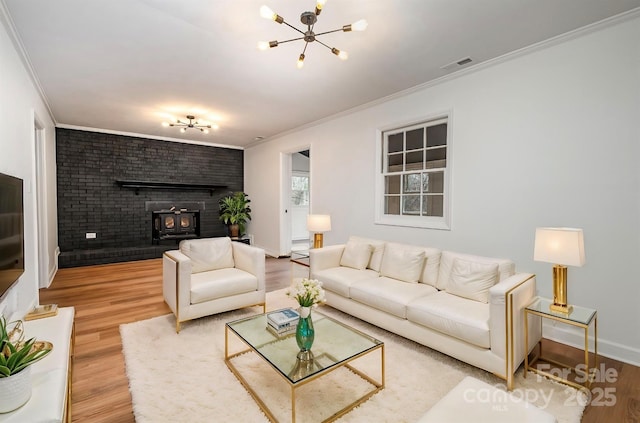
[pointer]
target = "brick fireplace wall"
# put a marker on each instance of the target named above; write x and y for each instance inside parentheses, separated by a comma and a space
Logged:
(90, 201)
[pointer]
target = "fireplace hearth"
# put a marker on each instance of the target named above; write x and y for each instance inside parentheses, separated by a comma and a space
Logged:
(175, 224)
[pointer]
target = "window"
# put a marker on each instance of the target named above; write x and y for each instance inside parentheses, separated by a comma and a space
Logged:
(413, 179)
(300, 190)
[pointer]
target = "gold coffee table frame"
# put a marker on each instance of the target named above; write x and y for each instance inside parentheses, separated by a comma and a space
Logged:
(252, 332)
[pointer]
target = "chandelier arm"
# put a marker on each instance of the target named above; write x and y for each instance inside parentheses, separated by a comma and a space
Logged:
(323, 44)
(293, 27)
(329, 32)
(305, 47)
(293, 39)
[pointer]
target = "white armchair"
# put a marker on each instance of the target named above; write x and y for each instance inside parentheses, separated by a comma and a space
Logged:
(212, 275)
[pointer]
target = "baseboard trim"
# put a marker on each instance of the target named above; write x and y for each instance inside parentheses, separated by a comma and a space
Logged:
(606, 348)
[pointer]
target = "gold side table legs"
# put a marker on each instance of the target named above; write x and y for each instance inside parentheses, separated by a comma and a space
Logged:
(584, 375)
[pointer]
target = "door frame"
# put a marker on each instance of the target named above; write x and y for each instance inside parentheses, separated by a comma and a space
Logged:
(286, 171)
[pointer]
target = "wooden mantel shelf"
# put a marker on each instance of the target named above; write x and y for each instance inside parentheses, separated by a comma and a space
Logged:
(138, 185)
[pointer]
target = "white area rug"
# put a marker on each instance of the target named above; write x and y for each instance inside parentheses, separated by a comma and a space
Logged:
(183, 378)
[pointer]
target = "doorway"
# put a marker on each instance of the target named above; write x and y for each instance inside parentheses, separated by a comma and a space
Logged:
(300, 196)
(42, 235)
(296, 200)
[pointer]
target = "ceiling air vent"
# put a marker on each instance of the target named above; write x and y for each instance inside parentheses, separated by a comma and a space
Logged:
(457, 64)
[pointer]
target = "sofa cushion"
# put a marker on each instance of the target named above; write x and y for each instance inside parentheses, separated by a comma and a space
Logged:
(340, 279)
(506, 268)
(376, 255)
(430, 269)
(389, 295)
(206, 286)
(452, 315)
(356, 255)
(208, 254)
(472, 280)
(402, 262)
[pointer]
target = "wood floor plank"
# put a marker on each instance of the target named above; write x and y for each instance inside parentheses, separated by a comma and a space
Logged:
(107, 296)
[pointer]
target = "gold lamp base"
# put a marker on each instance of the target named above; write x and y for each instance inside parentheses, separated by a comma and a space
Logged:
(317, 240)
(560, 290)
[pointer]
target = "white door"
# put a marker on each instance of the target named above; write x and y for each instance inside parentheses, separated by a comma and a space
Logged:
(299, 206)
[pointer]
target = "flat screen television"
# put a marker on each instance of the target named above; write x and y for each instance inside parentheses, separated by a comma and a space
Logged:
(11, 232)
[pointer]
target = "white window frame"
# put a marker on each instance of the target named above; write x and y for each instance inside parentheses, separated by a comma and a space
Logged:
(431, 222)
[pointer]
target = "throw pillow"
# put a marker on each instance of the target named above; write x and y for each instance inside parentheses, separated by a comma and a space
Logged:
(208, 253)
(472, 280)
(402, 262)
(377, 249)
(356, 255)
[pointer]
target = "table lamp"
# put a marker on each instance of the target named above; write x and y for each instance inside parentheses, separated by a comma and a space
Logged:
(318, 223)
(563, 247)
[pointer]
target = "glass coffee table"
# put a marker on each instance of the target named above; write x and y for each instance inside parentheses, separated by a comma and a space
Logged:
(336, 346)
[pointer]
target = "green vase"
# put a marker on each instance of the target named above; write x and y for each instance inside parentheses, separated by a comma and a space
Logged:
(305, 333)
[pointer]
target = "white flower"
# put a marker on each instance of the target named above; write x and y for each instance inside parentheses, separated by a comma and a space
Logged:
(308, 292)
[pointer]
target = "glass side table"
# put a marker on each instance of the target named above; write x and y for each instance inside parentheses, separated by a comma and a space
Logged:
(581, 317)
(300, 266)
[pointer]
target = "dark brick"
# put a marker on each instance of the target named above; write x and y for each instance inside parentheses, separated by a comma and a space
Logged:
(89, 200)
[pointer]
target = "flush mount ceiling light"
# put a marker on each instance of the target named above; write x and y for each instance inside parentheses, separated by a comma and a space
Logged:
(193, 123)
(309, 19)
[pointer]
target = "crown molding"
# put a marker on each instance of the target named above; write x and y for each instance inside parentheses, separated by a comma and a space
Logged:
(147, 136)
(5, 18)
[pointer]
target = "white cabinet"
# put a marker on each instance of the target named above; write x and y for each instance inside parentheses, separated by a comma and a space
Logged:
(51, 377)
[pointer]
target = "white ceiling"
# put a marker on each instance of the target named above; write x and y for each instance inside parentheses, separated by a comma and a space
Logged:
(125, 65)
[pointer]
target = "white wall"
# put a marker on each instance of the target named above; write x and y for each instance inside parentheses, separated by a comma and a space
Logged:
(20, 106)
(549, 138)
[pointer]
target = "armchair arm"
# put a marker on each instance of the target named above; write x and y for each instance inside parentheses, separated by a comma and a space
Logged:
(250, 259)
(508, 299)
(176, 280)
(325, 258)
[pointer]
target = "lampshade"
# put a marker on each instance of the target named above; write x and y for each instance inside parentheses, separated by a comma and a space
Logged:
(318, 223)
(559, 246)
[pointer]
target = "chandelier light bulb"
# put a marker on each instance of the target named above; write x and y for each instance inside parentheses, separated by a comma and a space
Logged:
(267, 13)
(319, 6)
(263, 45)
(215, 126)
(165, 124)
(341, 54)
(360, 25)
(206, 131)
(300, 61)
(183, 130)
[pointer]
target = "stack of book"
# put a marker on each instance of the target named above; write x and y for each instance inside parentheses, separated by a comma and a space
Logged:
(283, 321)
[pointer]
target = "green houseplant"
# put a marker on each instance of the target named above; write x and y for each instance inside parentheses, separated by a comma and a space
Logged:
(235, 212)
(16, 355)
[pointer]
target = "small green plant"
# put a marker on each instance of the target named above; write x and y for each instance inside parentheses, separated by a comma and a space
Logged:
(16, 354)
(235, 210)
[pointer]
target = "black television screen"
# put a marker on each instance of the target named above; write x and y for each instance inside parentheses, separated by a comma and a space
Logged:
(11, 232)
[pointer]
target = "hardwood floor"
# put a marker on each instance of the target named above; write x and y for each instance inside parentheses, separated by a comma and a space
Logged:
(107, 296)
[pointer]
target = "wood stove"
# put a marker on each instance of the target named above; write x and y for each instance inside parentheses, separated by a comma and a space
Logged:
(175, 224)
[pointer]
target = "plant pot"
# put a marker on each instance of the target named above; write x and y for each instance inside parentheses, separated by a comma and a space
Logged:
(15, 390)
(234, 231)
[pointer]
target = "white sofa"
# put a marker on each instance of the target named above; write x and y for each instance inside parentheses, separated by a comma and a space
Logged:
(466, 306)
(212, 275)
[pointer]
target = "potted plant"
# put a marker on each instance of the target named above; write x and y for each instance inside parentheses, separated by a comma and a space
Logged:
(16, 357)
(235, 212)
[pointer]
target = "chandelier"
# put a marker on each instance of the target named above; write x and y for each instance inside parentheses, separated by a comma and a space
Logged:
(193, 123)
(309, 19)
